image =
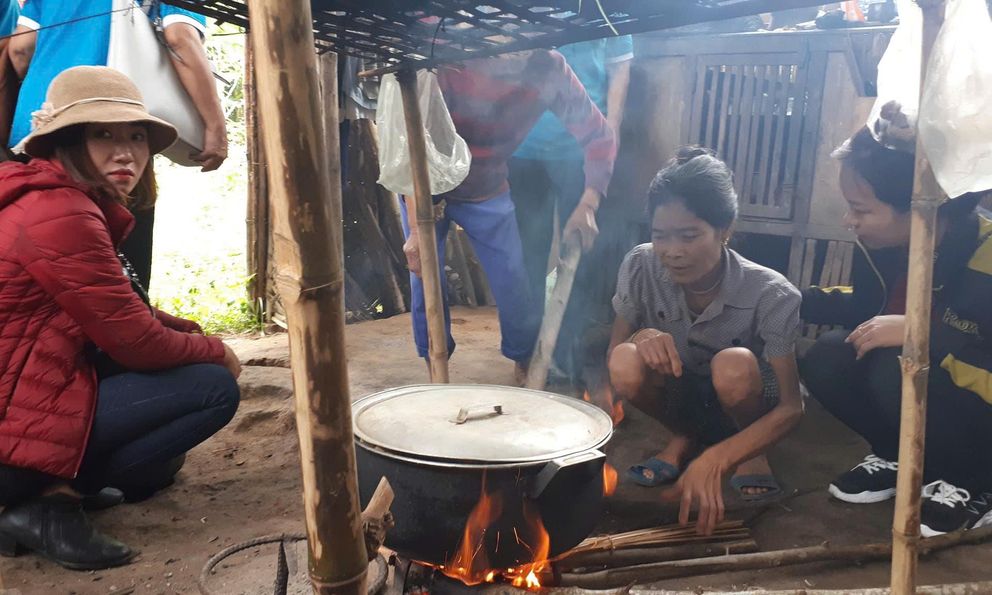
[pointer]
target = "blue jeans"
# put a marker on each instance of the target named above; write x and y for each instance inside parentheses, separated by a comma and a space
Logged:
(491, 226)
(144, 420)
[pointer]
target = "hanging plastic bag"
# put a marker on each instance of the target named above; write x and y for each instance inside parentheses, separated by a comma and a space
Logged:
(955, 123)
(448, 157)
(899, 78)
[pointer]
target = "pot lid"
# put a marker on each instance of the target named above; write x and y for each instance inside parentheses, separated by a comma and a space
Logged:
(479, 423)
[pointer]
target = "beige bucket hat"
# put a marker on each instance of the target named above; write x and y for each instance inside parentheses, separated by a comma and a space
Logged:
(92, 94)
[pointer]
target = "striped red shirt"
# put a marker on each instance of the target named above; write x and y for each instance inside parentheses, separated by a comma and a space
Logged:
(494, 102)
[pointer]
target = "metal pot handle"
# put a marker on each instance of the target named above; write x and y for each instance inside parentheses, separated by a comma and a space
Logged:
(551, 470)
(481, 411)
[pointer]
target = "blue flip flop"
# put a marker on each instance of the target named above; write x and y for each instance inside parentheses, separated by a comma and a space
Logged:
(739, 482)
(662, 473)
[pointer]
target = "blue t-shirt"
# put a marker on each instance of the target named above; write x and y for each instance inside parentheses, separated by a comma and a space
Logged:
(549, 140)
(83, 42)
(8, 16)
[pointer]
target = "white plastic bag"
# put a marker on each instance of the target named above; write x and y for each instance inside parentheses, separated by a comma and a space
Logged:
(956, 104)
(448, 157)
(899, 73)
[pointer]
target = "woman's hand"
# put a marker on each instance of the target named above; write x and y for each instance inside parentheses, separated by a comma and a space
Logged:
(881, 331)
(657, 349)
(701, 485)
(231, 361)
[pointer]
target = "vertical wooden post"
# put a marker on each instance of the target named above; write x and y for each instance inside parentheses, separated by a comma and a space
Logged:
(304, 180)
(430, 269)
(927, 197)
(258, 198)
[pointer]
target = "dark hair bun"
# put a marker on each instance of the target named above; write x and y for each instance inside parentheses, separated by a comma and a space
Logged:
(688, 153)
(698, 179)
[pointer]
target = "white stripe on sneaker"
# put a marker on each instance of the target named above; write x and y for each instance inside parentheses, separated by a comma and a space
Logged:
(866, 497)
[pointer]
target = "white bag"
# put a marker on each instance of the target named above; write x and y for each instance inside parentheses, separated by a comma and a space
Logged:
(899, 72)
(448, 157)
(956, 105)
(136, 51)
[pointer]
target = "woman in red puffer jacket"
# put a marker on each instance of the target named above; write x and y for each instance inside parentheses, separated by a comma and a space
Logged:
(97, 388)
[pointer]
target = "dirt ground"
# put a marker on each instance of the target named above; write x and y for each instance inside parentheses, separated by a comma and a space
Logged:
(245, 482)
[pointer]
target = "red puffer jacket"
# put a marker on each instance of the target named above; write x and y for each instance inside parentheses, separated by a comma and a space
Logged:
(62, 289)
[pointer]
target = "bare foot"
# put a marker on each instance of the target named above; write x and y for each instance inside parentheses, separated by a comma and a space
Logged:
(675, 453)
(756, 466)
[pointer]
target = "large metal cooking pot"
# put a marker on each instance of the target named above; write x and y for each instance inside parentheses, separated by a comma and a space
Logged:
(438, 445)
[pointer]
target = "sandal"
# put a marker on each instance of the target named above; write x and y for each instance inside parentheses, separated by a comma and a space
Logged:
(662, 472)
(739, 482)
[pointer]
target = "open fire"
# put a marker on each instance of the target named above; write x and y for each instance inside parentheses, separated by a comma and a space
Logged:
(608, 402)
(470, 564)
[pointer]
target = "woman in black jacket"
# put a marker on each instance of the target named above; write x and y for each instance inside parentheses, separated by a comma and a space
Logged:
(855, 372)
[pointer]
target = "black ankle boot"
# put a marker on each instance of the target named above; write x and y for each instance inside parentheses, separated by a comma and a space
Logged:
(56, 527)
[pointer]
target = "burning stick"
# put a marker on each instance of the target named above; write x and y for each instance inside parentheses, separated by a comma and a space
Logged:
(540, 362)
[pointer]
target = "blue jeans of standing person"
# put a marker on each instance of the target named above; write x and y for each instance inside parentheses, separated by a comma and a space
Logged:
(491, 226)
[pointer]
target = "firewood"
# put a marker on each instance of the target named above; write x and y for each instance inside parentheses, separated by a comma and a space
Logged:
(655, 536)
(646, 555)
(648, 573)
(377, 520)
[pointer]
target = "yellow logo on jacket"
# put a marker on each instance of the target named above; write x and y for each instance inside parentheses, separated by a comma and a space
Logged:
(965, 326)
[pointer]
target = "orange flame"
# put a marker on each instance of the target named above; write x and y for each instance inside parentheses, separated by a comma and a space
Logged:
(471, 562)
(470, 565)
(610, 479)
(609, 403)
(527, 575)
(616, 406)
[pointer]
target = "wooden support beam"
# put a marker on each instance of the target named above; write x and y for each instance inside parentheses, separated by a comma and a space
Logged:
(927, 197)
(304, 181)
(258, 195)
(430, 269)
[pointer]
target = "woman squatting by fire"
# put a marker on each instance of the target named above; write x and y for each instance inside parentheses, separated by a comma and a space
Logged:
(98, 389)
(704, 342)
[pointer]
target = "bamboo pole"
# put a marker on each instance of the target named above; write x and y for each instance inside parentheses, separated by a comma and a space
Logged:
(304, 180)
(430, 270)
(547, 338)
(916, 345)
(258, 203)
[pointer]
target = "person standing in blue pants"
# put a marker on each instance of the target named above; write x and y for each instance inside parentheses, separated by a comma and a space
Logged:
(494, 102)
(492, 227)
(546, 175)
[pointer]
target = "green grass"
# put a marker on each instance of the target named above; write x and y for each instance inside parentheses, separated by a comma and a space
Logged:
(199, 269)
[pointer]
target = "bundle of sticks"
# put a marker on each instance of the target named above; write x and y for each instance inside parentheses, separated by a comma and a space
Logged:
(657, 544)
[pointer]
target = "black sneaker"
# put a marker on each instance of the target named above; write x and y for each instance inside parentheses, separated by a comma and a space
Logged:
(947, 508)
(871, 480)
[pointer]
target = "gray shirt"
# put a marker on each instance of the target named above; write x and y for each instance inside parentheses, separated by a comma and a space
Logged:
(756, 308)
